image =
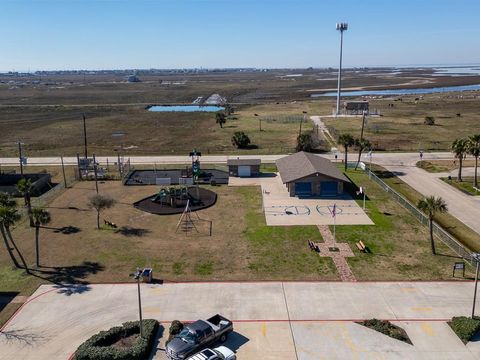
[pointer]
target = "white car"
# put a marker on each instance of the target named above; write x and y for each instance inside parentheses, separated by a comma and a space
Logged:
(219, 353)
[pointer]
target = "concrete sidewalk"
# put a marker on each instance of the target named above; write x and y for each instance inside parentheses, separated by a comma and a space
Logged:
(292, 317)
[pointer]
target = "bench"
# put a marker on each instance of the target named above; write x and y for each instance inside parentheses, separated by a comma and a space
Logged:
(361, 247)
(313, 246)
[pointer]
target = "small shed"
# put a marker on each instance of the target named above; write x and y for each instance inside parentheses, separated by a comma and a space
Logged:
(356, 107)
(243, 167)
(305, 174)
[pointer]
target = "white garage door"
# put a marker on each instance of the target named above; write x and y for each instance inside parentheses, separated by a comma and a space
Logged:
(244, 171)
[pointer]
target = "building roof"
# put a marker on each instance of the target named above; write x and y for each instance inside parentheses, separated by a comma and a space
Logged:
(303, 164)
(243, 161)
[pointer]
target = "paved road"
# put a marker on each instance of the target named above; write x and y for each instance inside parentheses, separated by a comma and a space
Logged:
(272, 320)
(464, 207)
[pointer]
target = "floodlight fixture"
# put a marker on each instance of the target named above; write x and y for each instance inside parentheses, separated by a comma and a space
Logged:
(342, 26)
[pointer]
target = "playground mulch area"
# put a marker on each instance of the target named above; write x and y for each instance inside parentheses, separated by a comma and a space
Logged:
(148, 177)
(206, 199)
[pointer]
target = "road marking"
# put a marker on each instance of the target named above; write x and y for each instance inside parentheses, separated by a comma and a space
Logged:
(264, 329)
(422, 309)
(409, 289)
(155, 310)
(427, 329)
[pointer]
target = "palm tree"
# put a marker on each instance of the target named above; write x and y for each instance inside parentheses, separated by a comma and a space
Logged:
(431, 205)
(474, 150)
(362, 144)
(100, 203)
(8, 217)
(346, 140)
(24, 187)
(6, 201)
(40, 217)
(459, 148)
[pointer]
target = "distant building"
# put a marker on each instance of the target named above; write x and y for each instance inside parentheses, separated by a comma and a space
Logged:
(356, 107)
(133, 78)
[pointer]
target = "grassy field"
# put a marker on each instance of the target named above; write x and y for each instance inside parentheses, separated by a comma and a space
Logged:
(465, 186)
(50, 113)
(399, 243)
(144, 132)
(401, 128)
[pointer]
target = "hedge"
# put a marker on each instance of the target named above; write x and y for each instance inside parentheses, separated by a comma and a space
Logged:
(387, 328)
(465, 327)
(99, 346)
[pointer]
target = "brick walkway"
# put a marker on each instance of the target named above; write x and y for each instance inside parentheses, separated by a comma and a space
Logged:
(338, 255)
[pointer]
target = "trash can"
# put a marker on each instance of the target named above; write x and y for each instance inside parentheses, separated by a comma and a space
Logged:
(147, 275)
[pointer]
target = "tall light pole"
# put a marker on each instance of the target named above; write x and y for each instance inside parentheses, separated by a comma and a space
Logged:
(476, 257)
(21, 160)
(137, 276)
(340, 27)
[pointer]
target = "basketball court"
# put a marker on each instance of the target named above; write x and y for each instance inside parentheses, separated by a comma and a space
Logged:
(283, 210)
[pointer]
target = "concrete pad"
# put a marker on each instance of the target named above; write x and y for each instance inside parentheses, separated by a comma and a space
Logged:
(55, 321)
(283, 210)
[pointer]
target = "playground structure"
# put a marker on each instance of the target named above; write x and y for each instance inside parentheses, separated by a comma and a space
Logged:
(177, 196)
(173, 200)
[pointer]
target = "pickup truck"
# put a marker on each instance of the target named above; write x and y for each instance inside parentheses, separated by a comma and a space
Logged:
(197, 336)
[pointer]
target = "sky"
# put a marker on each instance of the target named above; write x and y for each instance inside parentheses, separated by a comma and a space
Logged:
(142, 34)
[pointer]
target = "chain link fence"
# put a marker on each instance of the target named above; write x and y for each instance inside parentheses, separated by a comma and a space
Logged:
(444, 236)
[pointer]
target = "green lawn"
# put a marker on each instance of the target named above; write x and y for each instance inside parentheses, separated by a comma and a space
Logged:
(465, 186)
(399, 244)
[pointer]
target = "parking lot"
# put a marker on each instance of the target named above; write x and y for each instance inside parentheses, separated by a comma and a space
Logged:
(272, 320)
(283, 210)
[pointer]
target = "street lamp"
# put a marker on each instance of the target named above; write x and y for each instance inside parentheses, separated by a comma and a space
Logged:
(476, 257)
(260, 121)
(137, 275)
(21, 158)
(340, 27)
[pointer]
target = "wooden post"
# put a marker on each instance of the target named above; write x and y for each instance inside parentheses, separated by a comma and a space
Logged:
(63, 171)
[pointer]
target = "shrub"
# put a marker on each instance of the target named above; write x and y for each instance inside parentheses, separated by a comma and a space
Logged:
(465, 327)
(101, 346)
(387, 328)
(240, 140)
(175, 328)
(429, 120)
(304, 142)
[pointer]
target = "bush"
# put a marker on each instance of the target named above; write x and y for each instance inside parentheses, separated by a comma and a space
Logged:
(100, 346)
(429, 120)
(240, 140)
(175, 328)
(304, 142)
(387, 328)
(465, 327)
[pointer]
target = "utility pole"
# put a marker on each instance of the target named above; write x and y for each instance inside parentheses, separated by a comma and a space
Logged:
(85, 135)
(340, 27)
